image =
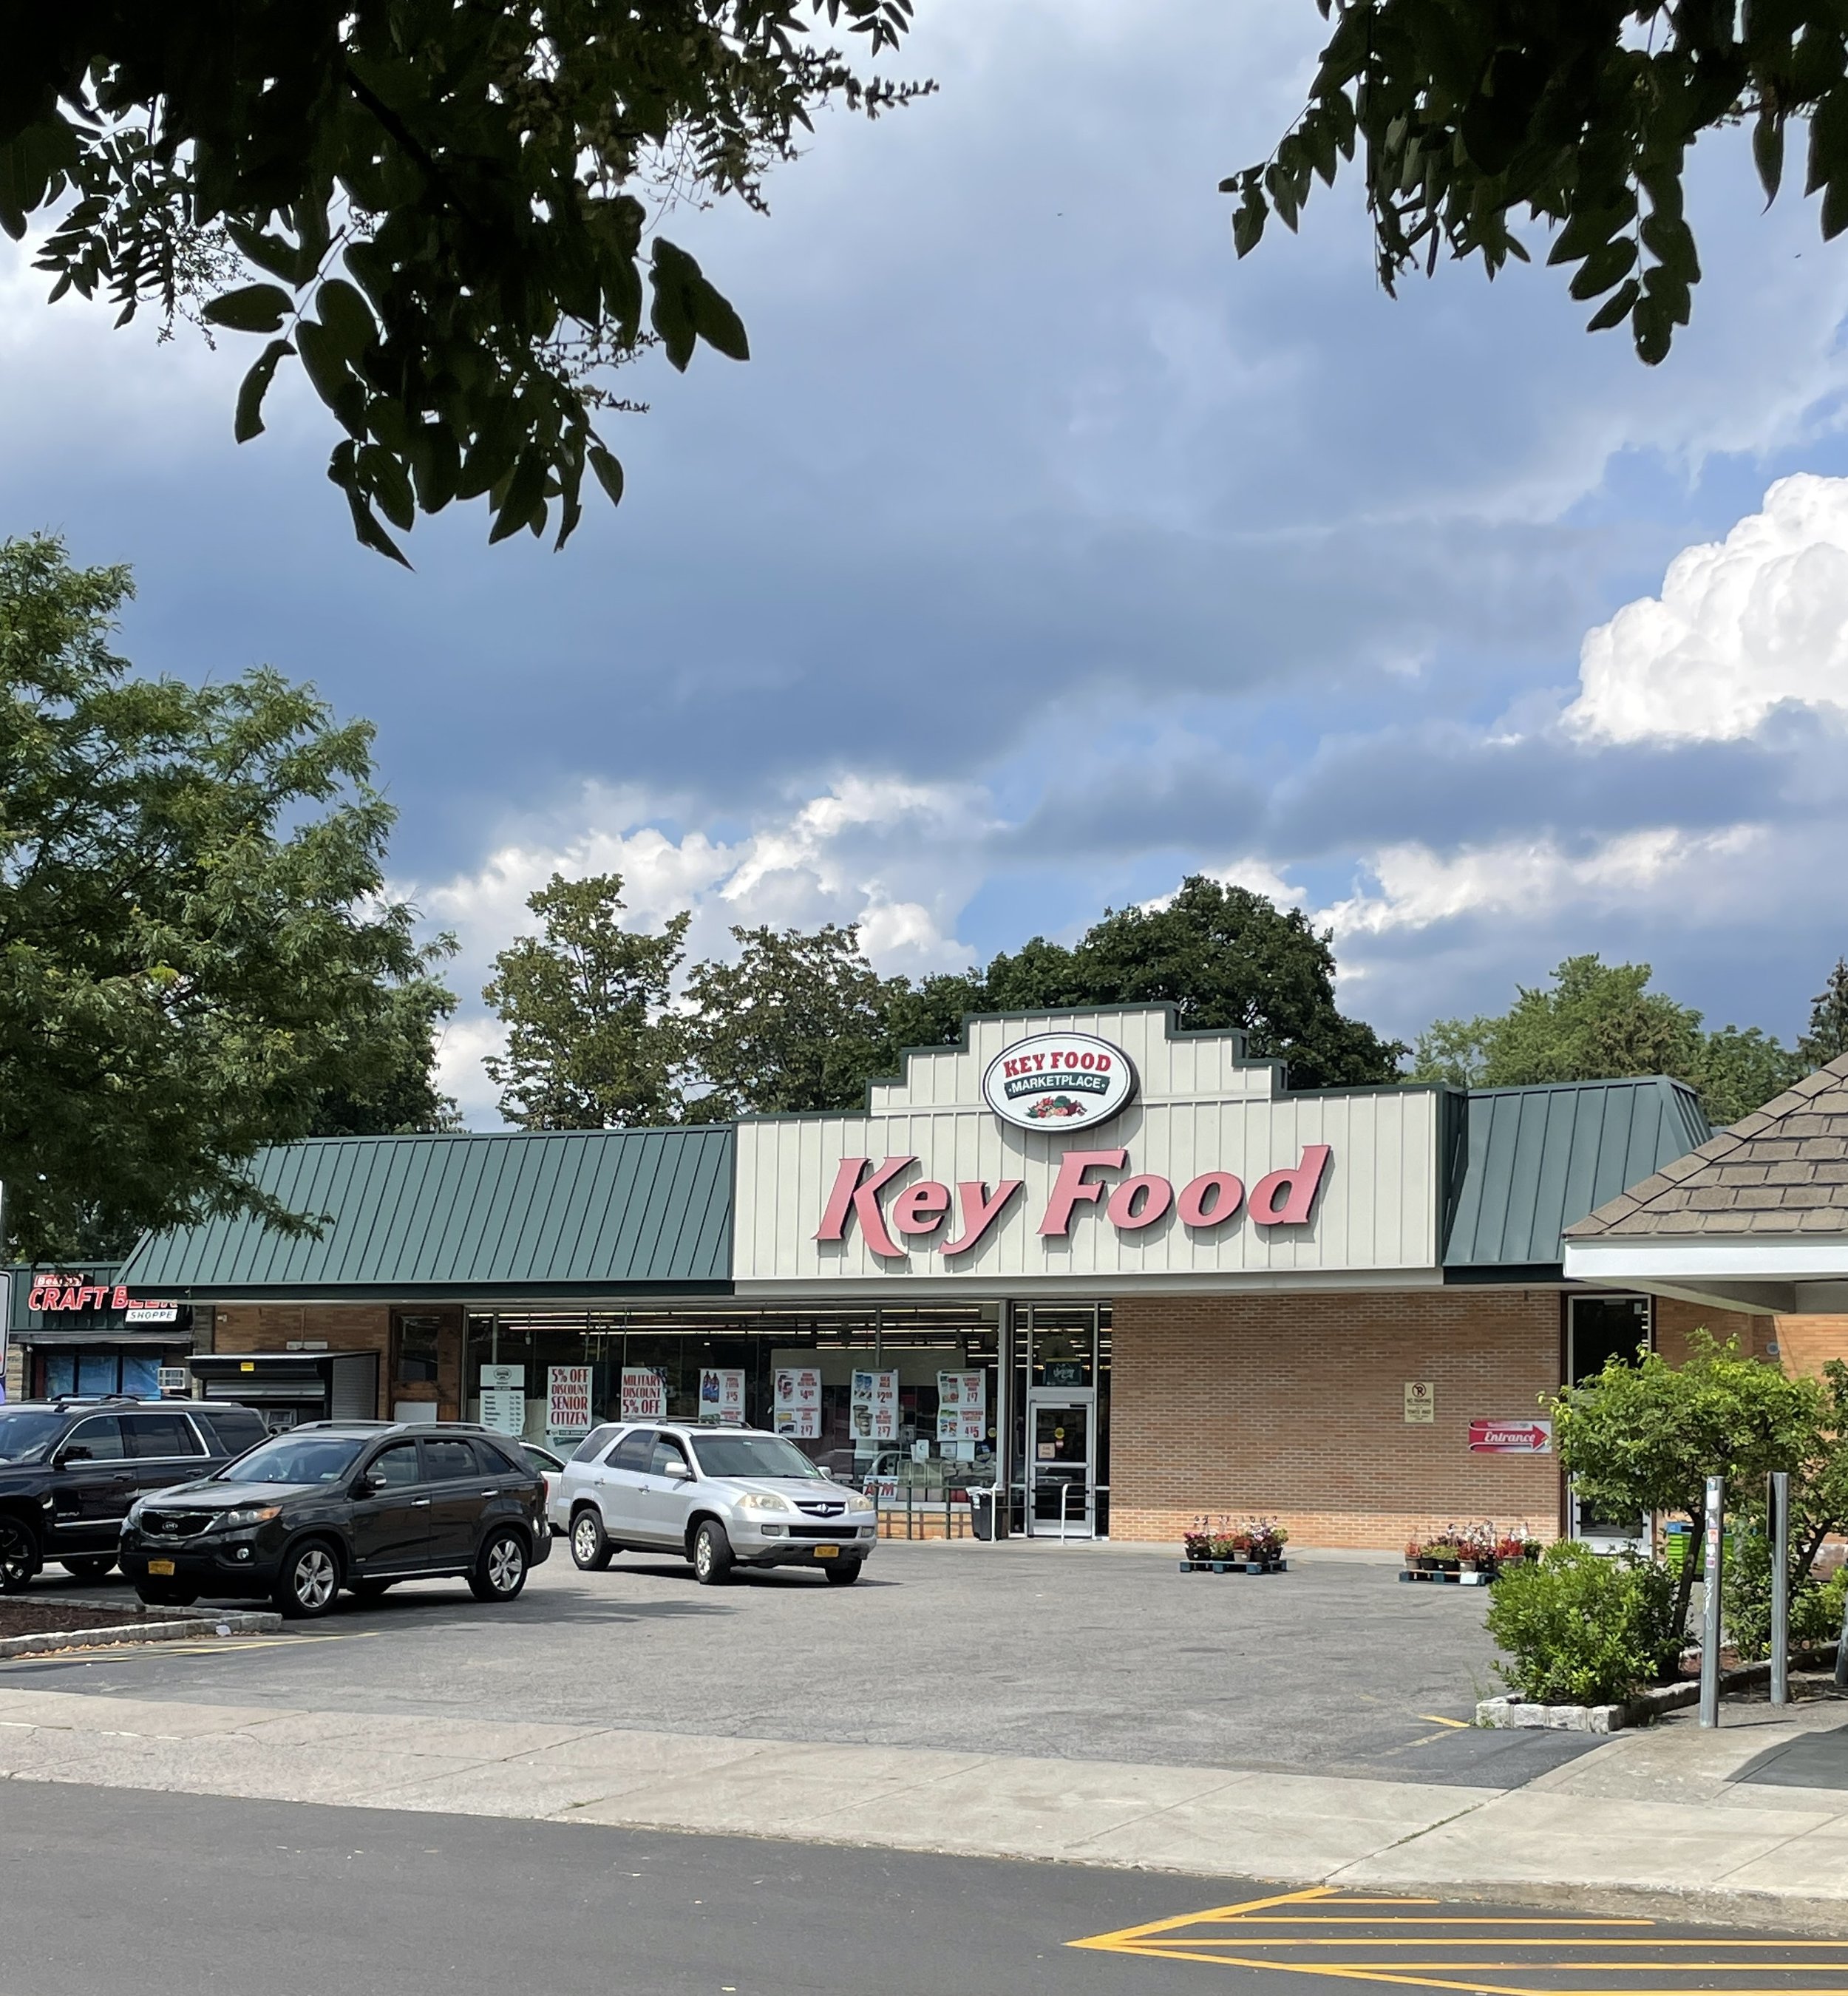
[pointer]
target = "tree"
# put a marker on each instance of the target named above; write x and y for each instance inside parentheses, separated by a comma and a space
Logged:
(1599, 1021)
(1466, 112)
(800, 1022)
(1222, 956)
(1827, 1038)
(390, 1089)
(1642, 1438)
(590, 1045)
(483, 175)
(196, 958)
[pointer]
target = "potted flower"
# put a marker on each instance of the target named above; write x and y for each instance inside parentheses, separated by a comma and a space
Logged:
(1414, 1554)
(1196, 1547)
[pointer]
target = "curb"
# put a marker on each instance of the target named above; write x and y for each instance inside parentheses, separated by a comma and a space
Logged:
(236, 1623)
(1518, 1714)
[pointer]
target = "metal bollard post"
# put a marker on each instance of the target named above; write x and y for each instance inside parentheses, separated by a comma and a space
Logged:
(1716, 1554)
(1841, 1652)
(1780, 1523)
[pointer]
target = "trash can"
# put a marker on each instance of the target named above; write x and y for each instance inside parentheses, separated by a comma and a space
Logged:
(982, 1511)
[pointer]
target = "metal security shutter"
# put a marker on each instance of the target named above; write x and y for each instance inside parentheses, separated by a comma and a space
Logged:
(354, 1394)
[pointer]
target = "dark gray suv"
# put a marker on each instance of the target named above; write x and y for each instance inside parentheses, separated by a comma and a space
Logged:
(355, 1505)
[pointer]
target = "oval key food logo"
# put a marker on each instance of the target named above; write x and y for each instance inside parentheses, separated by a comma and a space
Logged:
(1059, 1081)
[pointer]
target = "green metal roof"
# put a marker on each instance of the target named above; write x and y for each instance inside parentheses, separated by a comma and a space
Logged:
(1531, 1162)
(528, 1212)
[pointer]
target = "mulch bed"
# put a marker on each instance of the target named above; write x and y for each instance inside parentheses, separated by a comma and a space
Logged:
(46, 1618)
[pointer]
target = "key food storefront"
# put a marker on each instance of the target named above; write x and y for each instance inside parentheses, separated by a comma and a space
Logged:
(1124, 1272)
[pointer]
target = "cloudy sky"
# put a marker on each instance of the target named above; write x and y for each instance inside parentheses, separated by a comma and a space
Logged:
(1043, 553)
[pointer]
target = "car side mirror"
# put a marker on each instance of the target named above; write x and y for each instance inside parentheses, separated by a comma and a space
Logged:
(78, 1452)
(681, 1473)
(372, 1482)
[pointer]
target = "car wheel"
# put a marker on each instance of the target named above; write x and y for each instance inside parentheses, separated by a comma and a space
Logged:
(845, 1574)
(309, 1583)
(712, 1555)
(368, 1590)
(500, 1571)
(151, 1596)
(89, 1569)
(20, 1557)
(590, 1550)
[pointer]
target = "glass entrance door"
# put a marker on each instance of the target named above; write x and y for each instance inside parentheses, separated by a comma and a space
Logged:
(1600, 1329)
(1061, 1465)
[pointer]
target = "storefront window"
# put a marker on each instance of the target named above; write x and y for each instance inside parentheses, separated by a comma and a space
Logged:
(417, 1339)
(92, 1374)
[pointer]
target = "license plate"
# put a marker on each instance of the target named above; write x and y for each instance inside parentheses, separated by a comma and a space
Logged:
(161, 1566)
(827, 1552)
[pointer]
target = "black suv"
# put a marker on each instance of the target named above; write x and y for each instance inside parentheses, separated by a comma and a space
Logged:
(353, 1504)
(70, 1468)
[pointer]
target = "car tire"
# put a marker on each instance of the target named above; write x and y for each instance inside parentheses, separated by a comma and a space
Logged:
(89, 1569)
(20, 1558)
(367, 1590)
(308, 1584)
(591, 1548)
(152, 1595)
(713, 1557)
(500, 1570)
(845, 1574)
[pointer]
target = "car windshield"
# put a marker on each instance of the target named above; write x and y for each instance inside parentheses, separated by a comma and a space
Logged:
(295, 1459)
(28, 1437)
(753, 1455)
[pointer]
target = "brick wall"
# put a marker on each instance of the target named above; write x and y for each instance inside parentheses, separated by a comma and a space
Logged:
(1805, 1344)
(274, 1326)
(1675, 1319)
(1293, 1407)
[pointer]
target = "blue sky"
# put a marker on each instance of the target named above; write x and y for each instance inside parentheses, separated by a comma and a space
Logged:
(1043, 552)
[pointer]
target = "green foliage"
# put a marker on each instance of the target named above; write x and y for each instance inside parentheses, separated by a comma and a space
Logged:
(1222, 956)
(1599, 1021)
(389, 1090)
(445, 214)
(1815, 1606)
(1827, 1039)
(799, 1022)
(1643, 1438)
(590, 1045)
(1468, 113)
(196, 957)
(1582, 1628)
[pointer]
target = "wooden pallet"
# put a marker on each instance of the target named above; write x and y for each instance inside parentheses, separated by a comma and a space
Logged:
(1478, 1578)
(1235, 1566)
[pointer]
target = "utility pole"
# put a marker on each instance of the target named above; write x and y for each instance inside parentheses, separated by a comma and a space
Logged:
(1780, 1522)
(1715, 1544)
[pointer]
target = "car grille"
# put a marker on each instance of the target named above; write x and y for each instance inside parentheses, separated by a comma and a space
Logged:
(821, 1510)
(176, 1524)
(820, 1531)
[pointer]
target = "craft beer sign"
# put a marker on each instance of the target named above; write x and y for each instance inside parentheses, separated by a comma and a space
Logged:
(1059, 1081)
(1099, 1146)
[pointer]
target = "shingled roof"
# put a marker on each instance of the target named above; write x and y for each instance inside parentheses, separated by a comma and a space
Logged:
(1781, 1171)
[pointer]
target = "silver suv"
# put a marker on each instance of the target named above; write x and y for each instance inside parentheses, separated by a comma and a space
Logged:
(720, 1497)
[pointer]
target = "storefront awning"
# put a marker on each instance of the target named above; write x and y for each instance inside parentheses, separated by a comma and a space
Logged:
(1754, 1218)
(537, 1215)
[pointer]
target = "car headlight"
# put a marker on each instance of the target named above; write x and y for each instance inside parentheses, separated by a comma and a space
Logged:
(134, 1516)
(860, 1504)
(252, 1514)
(763, 1500)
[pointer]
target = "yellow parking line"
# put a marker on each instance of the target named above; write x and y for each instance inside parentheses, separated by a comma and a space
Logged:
(1434, 1718)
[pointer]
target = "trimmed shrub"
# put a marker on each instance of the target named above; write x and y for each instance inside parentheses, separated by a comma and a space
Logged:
(1580, 1628)
(1815, 1606)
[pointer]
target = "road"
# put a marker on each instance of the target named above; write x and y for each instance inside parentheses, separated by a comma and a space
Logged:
(104, 1890)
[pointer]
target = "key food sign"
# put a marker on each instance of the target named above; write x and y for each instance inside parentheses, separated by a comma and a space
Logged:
(1059, 1081)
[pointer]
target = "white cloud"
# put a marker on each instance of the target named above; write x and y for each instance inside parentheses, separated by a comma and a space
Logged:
(900, 858)
(1741, 625)
(1414, 887)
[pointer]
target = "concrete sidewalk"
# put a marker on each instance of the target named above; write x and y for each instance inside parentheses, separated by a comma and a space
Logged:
(1701, 1824)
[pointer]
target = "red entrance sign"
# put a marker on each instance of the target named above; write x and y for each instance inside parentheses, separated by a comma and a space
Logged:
(1511, 1437)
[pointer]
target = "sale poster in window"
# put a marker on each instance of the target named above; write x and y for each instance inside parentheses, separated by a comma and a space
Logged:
(874, 1406)
(644, 1397)
(722, 1395)
(961, 1406)
(798, 1399)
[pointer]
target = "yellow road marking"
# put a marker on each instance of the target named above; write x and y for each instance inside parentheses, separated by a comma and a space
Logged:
(1462, 1725)
(1546, 1961)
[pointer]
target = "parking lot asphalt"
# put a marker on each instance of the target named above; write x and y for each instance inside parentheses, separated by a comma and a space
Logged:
(189, 1894)
(1039, 1651)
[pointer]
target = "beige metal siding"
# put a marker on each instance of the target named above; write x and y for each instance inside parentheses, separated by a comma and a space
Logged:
(1199, 1109)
